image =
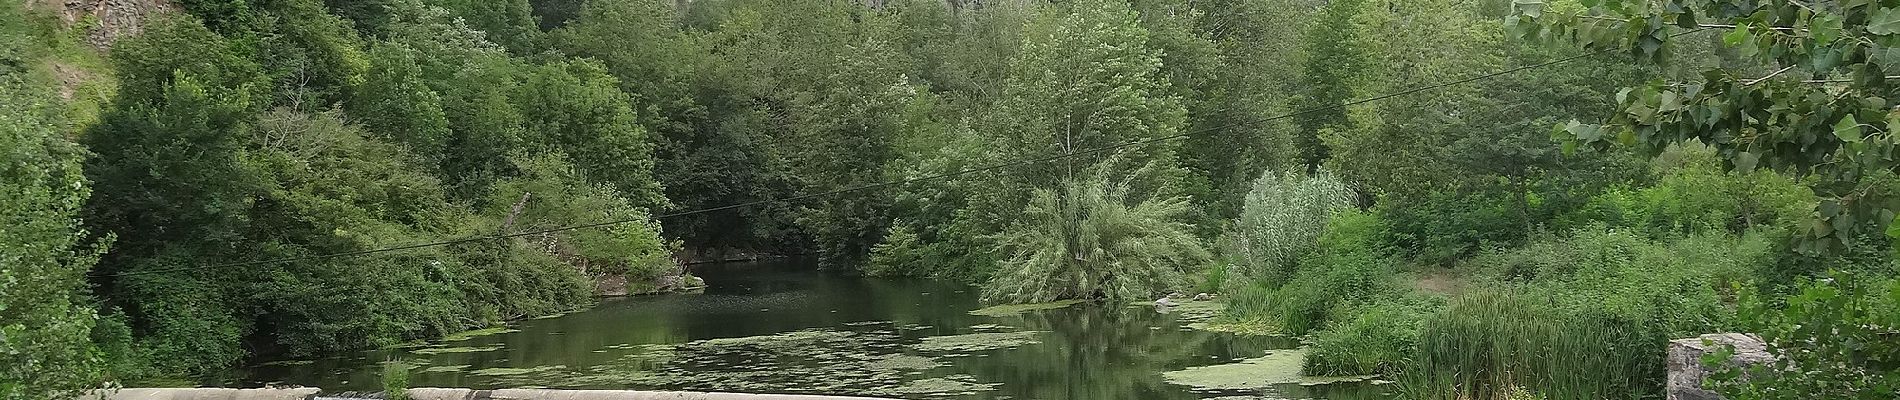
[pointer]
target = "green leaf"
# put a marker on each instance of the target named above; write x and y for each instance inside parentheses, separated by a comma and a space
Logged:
(1745, 161)
(1848, 129)
(1884, 22)
(1825, 28)
(1737, 36)
(1670, 102)
(1585, 132)
(1531, 8)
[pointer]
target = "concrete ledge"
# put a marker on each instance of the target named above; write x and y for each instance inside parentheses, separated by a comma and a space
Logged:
(202, 394)
(442, 394)
(547, 394)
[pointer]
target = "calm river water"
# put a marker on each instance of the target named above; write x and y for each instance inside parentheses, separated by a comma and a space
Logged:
(782, 327)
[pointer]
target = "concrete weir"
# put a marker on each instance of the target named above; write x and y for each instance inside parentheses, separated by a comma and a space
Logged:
(443, 394)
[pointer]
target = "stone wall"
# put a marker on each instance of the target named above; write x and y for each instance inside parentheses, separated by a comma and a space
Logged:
(1686, 371)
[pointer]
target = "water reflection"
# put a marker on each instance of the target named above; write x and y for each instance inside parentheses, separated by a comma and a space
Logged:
(782, 327)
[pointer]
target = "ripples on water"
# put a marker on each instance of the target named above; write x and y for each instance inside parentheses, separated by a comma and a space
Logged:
(782, 327)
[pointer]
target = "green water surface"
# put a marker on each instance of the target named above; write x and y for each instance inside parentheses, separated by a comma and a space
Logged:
(783, 327)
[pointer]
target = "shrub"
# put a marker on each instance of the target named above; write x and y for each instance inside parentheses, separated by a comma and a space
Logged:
(1379, 340)
(1350, 267)
(1091, 241)
(1836, 338)
(1282, 219)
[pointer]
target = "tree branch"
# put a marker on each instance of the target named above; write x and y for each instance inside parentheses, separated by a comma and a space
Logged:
(1770, 75)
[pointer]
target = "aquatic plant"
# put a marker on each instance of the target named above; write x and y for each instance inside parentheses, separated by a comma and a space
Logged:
(1278, 367)
(1496, 344)
(395, 381)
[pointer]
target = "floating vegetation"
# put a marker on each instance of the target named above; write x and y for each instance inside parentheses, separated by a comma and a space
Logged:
(1014, 309)
(517, 371)
(867, 323)
(447, 368)
(447, 350)
(1196, 311)
(1237, 327)
(818, 361)
(466, 335)
(955, 385)
(904, 362)
(1277, 367)
(975, 342)
(990, 327)
(286, 362)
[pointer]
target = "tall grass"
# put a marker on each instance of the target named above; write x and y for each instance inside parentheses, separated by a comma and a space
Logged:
(1498, 345)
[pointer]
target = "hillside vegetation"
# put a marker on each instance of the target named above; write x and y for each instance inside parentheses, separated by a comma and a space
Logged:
(1538, 230)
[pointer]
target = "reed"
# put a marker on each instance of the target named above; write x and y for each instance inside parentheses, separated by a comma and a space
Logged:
(1505, 345)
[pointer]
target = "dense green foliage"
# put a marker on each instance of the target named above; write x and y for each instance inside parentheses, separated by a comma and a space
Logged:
(45, 321)
(1445, 238)
(1830, 339)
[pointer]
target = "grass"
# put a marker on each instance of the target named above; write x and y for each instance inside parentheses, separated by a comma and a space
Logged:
(1501, 344)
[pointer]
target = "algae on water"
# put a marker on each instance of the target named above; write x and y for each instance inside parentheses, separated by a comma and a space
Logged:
(1277, 367)
(974, 342)
(447, 368)
(447, 350)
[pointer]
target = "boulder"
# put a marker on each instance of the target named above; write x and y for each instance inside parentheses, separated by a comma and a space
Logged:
(1686, 371)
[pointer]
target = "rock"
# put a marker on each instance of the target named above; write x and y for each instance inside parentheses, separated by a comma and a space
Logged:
(1203, 297)
(1686, 371)
(202, 394)
(611, 285)
(1164, 302)
(440, 394)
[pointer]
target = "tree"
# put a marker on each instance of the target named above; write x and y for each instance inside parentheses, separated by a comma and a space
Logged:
(396, 103)
(1096, 239)
(1821, 108)
(1087, 77)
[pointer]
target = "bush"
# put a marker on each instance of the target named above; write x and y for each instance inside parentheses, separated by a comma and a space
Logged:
(1608, 299)
(1349, 268)
(1379, 340)
(1091, 241)
(1282, 219)
(1836, 338)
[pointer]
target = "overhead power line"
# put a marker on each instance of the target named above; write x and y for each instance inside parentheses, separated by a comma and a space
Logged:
(993, 167)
